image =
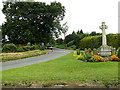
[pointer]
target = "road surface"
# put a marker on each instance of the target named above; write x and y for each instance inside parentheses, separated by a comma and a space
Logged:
(28, 61)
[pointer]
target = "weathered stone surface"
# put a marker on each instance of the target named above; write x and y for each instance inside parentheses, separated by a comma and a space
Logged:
(104, 51)
(95, 51)
(103, 27)
(89, 51)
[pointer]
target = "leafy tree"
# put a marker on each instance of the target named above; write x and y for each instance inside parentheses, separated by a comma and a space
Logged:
(98, 33)
(78, 37)
(78, 32)
(70, 37)
(81, 32)
(59, 41)
(51, 42)
(64, 29)
(93, 33)
(73, 33)
(0, 32)
(33, 22)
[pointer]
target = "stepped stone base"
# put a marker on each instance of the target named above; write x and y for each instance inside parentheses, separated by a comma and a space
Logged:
(105, 50)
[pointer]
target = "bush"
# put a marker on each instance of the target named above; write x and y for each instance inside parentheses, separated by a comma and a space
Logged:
(20, 50)
(118, 52)
(42, 48)
(73, 47)
(81, 58)
(75, 53)
(9, 48)
(28, 44)
(28, 48)
(87, 57)
(78, 52)
(70, 43)
(36, 47)
(59, 41)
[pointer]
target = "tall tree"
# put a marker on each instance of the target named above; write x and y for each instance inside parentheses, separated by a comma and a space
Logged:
(59, 41)
(93, 33)
(78, 32)
(64, 29)
(70, 37)
(0, 33)
(33, 22)
(81, 32)
(73, 33)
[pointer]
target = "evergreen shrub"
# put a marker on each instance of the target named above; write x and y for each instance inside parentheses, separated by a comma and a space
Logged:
(9, 48)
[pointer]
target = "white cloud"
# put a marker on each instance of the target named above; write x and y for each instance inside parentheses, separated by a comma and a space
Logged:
(88, 14)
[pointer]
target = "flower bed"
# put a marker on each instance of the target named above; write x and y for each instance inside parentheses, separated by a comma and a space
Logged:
(114, 58)
(97, 58)
(90, 57)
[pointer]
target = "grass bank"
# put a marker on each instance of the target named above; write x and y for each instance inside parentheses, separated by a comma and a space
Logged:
(66, 70)
(20, 55)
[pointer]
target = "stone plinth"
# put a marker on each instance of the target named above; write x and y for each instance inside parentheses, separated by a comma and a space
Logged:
(105, 50)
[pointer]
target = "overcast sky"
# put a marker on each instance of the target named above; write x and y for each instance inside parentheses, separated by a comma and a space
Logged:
(86, 14)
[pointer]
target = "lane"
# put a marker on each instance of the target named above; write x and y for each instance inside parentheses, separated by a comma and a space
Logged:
(28, 61)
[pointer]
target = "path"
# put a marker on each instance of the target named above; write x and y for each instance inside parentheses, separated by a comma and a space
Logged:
(28, 61)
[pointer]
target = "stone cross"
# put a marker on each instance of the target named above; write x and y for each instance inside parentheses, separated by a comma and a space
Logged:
(103, 27)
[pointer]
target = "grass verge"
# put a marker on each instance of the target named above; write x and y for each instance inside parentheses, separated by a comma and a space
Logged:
(66, 70)
(20, 55)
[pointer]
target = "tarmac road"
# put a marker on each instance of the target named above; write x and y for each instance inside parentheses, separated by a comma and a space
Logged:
(28, 61)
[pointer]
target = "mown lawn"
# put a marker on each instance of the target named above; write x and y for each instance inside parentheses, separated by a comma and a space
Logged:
(64, 70)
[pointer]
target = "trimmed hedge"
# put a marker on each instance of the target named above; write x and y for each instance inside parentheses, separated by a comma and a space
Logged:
(113, 40)
(90, 42)
(96, 41)
(9, 48)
